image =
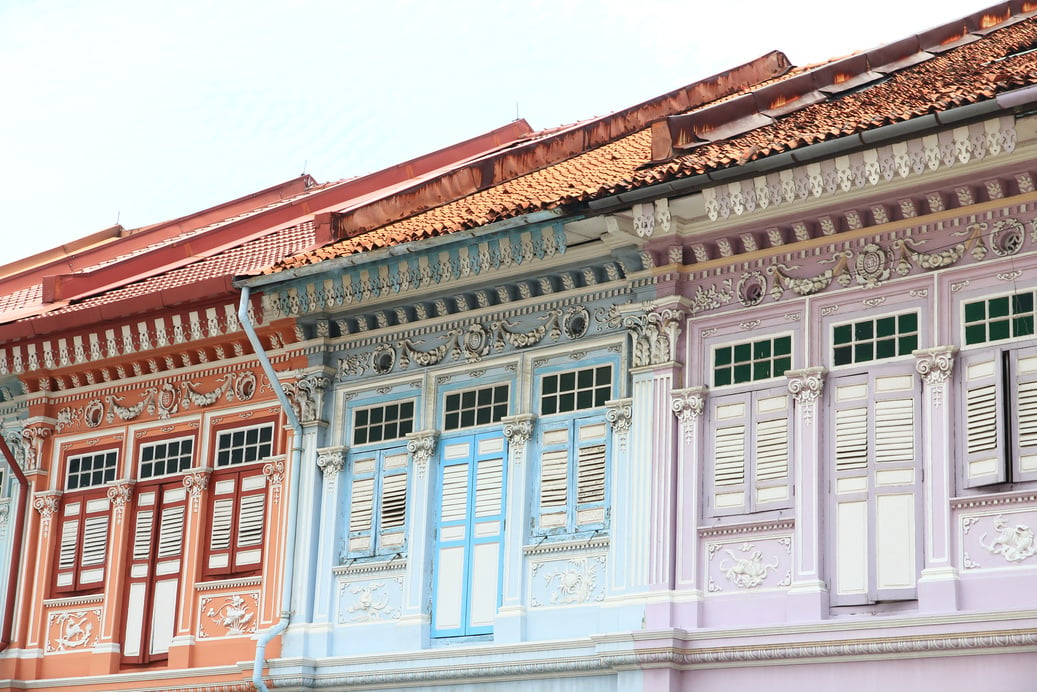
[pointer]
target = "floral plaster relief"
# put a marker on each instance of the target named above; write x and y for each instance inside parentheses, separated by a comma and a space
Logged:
(228, 615)
(370, 600)
(568, 581)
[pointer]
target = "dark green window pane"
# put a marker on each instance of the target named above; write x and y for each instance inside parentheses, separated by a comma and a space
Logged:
(843, 355)
(762, 349)
(1022, 326)
(743, 373)
(887, 326)
(761, 370)
(567, 381)
(864, 330)
(485, 397)
(601, 396)
(567, 402)
(585, 378)
(999, 330)
(885, 348)
(585, 399)
(863, 352)
(976, 333)
(908, 344)
(1023, 303)
(743, 353)
(499, 411)
(483, 416)
(783, 346)
(468, 399)
(407, 410)
(722, 356)
(998, 307)
(605, 374)
(908, 322)
(974, 312)
(782, 365)
(551, 384)
(843, 334)
(452, 421)
(453, 400)
(467, 418)
(722, 376)
(548, 406)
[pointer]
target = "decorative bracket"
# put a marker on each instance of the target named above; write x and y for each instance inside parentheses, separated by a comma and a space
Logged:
(618, 413)
(422, 445)
(119, 494)
(331, 460)
(196, 481)
(518, 430)
(935, 366)
(307, 396)
(806, 386)
(688, 405)
(654, 332)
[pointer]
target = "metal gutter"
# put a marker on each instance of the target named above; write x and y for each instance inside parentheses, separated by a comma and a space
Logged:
(16, 544)
(264, 638)
(896, 131)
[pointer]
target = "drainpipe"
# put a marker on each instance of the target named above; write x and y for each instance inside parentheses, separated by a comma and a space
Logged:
(264, 638)
(16, 544)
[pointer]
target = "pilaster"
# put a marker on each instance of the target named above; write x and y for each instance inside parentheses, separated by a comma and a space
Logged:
(518, 430)
(688, 405)
(417, 594)
(938, 583)
(808, 594)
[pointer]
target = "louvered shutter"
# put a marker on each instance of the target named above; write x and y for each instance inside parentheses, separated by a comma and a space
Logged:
(68, 552)
(875, 486)
(730, 439)
(985, 448)
(238, 522)
(1023, 364)
(591, 455)
(486, 535)
(251, 515)
(141, 573)
(449, 604)
(393, 501)
(771, 462)
(554, 476)
(222, 524)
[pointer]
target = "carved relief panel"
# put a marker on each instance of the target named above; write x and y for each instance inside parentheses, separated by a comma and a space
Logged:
(367, 598)
(750, 562)
(998, 539)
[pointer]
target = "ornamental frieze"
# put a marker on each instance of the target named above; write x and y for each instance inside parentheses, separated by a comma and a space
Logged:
(163, 400)
(866, 263)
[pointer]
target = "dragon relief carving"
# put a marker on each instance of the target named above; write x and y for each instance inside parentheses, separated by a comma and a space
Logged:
(749, 570)
(1013, 543)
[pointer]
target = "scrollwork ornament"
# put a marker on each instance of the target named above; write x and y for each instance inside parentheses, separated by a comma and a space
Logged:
(518, 430)
(274, 472)
(331, 461)
(752, 288)
(654, 333)
(422, 445)
(119, 495)
(576, 322)
(935, 366)
(806, 386)
(46, 505)
(872, 265)
(33, 437)
(1008, 237)
(619, 414)
(195, 482)
(688, 405)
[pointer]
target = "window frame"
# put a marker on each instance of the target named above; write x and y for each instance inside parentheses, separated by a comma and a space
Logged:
(874, 339)
(76, 545)
(714, 348)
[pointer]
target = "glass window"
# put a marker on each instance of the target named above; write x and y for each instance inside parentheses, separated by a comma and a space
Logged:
(91, 470)
(752, 360)
(875, 339)
(385, 422)
(244, 445)
(476, 407)
(164, 458)
(1004, 317)
(575, 390)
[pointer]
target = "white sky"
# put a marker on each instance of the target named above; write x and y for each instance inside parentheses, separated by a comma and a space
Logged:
(143, 111)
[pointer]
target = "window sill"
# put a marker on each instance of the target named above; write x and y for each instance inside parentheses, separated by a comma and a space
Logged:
(567, 543)
(366, 565)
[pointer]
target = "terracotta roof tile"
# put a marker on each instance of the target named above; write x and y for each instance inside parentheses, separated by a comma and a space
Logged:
(966, 74)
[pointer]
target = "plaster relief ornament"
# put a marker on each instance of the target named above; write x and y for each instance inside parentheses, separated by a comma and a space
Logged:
(1013, 543)
(119, 495)
(752, 288)
(688, 405)
(935, 365)
(749, 571)
(331, 461)
(619, 415)
(806, 386)
(274, 472)
(946, 257)
(518, 430)
(575, 582)
(808, 286)
(422, 446)
(872, 265)
(233, 615)
(196, 482)
(655, 333)
(307, 396)
(75, 629)
(1008, 237)
(371, 602)
(713, 297)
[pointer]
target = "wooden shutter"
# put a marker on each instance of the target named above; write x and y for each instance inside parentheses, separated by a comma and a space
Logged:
(83, 546)
(729, 422)
(1023, 366)
(554, 476)
(851, 489)
(361, 505)
(393, 502)
(771, 461)
(486, 535)
(591, 456)
(238, 523)
(985, 449)
(68, 553)
(248, 553)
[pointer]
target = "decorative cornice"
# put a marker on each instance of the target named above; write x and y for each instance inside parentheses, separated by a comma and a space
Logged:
(368, 567)
(654, 332)
(227, 584)
(861, 170)
(551, 547)
(73, 601)
(993, 500)
(735, 529)
(688, 405)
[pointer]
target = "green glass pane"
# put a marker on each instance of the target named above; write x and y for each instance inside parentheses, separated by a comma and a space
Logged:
(887, 326)
(1022, 303)
(863, 352)
(743, 373)
(885, 348)
(783, 346)
(722, 356)
(908, 344)
(999, 330)
(976, 333)
(722, 376)
(974, 312)
(998, 307)
(782, 365)
(1022, 326)
(843, 334)
(743, 353)
(864, 330)
(908, 322)
(585, 378)
(761, 370)
(843, 355)
(762, 349)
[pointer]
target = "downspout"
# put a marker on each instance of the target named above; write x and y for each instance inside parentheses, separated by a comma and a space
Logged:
(16, 545)
(264, 638)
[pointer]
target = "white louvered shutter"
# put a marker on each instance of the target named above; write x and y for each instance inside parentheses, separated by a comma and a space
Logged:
(251, 517)
(591, 457)
(68, 553)
(729, 423)
(1023, 364)
(772, 475)
(985, 448)
(393, 502)
(94, 546)
(851, 489)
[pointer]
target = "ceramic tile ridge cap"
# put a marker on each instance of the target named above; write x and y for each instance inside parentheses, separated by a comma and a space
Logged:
(541, 152)
(819, 82)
